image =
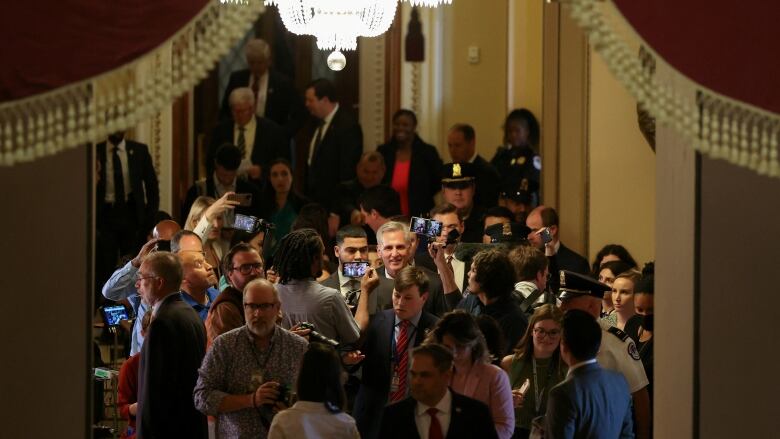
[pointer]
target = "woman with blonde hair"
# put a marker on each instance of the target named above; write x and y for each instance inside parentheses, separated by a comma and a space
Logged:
(474, 376)
(206, 219)
(536, 360)
(623, 296)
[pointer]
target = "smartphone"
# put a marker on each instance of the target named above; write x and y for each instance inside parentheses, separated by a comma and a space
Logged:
(246, 223)
(546, 235)
(355, 269)
(434, 228)
(525, 386)
(163, 246)
(243, 199)
(427, 227)
(112, 315)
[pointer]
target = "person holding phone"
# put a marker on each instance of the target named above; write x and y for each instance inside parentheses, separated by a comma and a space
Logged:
(537, 361)
(281, 203)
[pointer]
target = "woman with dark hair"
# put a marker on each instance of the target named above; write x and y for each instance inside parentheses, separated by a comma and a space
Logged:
(280, 203)
(537, 360)
(607, 274)
(611, 252)
(518, 160)
(640, 327)
(474, 376)
(413, 166)
(491, 281)
(318, 413)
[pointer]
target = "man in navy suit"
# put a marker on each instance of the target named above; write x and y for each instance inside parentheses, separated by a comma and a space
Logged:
(386, 348)
(171, 355)
(434, 411)
(560, 256)
(591, 402)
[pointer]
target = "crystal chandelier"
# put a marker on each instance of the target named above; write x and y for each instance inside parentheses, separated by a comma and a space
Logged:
(429, 3)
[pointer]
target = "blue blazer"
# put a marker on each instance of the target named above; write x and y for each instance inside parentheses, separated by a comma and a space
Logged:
(591, 402)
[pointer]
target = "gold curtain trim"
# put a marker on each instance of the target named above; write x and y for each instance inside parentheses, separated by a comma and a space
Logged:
(714, 124)
(87, 111)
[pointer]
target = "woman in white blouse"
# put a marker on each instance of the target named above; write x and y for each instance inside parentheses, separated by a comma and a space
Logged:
(318, 412)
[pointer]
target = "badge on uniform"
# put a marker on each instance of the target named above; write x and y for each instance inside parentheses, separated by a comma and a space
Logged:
(521, 161)
(632, 351)
(538, 163)
(512, 162)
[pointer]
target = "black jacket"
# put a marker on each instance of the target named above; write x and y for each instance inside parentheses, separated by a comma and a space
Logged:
(566, 259)
(271, 142)
(424, 173)
(143, 181)
(488, 183)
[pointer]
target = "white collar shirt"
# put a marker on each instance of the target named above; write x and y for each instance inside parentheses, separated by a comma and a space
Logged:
(262, 93)
(250, 131)
(444, 415)
(122, 152)
(323, 130)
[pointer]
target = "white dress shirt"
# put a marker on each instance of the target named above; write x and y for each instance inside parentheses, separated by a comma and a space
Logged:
(423, 419)
(324, 129)
(122, 151)
(307, 419)
(458, 270)
(249, 138)
(262, 93)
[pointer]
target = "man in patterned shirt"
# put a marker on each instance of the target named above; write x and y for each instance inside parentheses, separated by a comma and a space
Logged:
(248, 371)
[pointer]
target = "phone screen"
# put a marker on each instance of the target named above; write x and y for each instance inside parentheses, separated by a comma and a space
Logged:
(355, 269)
(418, 225)
(434, 228)
(546, 235)
(245, 223)
(113, 314)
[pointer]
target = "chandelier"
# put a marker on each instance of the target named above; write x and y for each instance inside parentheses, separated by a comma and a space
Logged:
(336, 24)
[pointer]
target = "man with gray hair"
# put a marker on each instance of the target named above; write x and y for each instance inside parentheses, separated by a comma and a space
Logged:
(394, 243)
(275, 96)
(172, 352)
(259, 139)
(249, 371)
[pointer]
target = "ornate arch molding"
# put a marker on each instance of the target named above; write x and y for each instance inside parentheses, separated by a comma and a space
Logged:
(720, 126)
(86, 111)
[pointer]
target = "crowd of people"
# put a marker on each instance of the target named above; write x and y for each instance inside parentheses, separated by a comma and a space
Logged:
(280, 310)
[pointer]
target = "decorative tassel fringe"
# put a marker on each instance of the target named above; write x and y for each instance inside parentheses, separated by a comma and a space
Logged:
(713, 124)
(73, 115)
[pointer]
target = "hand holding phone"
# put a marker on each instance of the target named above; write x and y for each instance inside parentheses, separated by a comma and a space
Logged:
(242, 199)
(355, 269)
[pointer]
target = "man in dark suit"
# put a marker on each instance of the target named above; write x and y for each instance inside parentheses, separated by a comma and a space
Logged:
(462, 143)
(386, 348)
(259, 139)
(591, 402)
(561, 257)
(394, 247)
(127, 200)
(275, 96)
(370, 172)
(224, 179)
(171, 355)
(453, 272)
(352, 246)
(433, 410)
(333, 146)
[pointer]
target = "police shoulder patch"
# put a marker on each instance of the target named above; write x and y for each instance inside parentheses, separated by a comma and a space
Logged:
(618, 333)
(632, 351)
(538, 163)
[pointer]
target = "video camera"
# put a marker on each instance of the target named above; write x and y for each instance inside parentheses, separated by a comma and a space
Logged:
(316, 337)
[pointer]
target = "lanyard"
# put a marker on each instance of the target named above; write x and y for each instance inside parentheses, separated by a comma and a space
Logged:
(539, 393)
(256, 354)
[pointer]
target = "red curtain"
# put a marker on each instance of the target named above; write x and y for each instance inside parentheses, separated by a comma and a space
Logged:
(49, 44)
(730, 47)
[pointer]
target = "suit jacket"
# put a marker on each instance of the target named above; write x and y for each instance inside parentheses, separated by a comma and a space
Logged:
(566, 259)
(271, 143)
(474, 225)
(469, 419)
(283, 105)
(242, 187)
(379, 300)
(424, 173)
(488, 183)
(425, 260)
(591, 402)
(143, 180)
(336, 158)
(377, 368)
(171, 355)
(348, 193)
(438, 303)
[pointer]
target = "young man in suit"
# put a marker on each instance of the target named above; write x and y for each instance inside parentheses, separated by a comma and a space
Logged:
(259, 139)
(171, 355)
(127, 200)
(441, 258)
(335, 143)
(275, 96)
(591, 402)
(560, 256)
(434, 411)
(390, 337)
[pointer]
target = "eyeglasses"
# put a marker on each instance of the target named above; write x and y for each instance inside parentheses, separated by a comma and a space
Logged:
(247, 268)
(139, 277)
(261, 306)
(541, 333)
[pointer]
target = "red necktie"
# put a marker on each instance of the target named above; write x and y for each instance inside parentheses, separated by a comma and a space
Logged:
(434, 431)
(402, 354)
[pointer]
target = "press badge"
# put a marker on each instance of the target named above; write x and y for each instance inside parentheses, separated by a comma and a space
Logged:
(395, 382)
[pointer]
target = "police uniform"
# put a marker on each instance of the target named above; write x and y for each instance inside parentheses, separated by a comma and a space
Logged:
(618, 351)
(460, 175)
(517, 165)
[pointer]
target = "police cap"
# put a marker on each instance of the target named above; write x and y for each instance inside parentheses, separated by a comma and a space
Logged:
(575, 284)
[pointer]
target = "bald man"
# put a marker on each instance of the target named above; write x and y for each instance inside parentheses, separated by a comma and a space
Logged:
(121, 285)
(275, 96)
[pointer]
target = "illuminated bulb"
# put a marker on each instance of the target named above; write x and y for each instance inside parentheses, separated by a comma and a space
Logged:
(337, 61)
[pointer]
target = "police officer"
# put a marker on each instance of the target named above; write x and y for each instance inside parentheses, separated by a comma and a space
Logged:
(517, 160)
(618, 352)
(458, 187)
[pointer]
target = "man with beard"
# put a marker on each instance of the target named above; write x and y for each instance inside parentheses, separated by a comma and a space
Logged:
(247, 374)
